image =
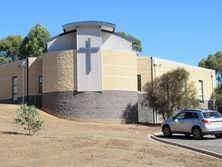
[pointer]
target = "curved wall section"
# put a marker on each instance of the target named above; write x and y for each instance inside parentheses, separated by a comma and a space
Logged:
(115, 101)
(59, 71)
(62, 42)
(90, 105)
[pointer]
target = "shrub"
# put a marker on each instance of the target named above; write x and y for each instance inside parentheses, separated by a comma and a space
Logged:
(27, 117)
(171, 92)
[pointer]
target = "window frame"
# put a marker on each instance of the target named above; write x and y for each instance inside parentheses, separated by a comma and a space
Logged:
(139, 82)
(13, 89)
(201, 86)
(40, 82)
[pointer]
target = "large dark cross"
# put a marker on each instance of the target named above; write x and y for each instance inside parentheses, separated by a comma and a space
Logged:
(88, 49)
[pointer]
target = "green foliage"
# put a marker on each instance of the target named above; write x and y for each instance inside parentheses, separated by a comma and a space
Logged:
(171, 93)
(5, 60)
(14, 47)
(218, 92)
(27, 117)
(213, 62)
(9, 47)
(34, 44)
(137, 46)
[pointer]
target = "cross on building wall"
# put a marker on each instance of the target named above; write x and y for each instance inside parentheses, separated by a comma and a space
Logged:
(88, 50)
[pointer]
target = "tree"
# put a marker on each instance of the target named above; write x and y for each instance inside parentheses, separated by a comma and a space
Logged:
(213, 62)
(35, 42)
(9, 47)
(137, 46)
(171, 93)
(5, 60)
(27, 117)
(218, 92)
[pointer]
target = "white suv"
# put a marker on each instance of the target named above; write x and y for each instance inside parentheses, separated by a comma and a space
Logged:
(194, 122)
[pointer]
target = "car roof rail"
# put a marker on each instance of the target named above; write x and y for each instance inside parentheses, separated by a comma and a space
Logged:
(198, 110)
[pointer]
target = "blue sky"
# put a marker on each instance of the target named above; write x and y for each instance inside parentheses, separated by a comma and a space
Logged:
(179, 30)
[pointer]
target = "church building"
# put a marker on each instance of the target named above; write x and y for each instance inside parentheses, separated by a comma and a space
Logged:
(91, 72)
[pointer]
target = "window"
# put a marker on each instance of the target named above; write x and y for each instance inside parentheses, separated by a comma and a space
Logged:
(200, 89)
(40, 84)
(212, 115)
(180, 115)
(14, 89)
(190, 115)
(139, 82)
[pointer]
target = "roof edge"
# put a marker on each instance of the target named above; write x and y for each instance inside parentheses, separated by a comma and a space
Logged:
(74, 25)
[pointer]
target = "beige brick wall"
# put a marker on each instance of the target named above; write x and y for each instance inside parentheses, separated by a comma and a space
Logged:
(59, 71)
(163, 66)
(7, 71)
(119, 70)
(144, 69)
(35, 70)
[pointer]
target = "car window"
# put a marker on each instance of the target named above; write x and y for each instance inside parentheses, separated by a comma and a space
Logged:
(191, 115)
(214, 114)
(180, 116)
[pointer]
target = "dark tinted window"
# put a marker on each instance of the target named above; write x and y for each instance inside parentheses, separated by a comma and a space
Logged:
(190, 115)
(180, 116)
(214, 114)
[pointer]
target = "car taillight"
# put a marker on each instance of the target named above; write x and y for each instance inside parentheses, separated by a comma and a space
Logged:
(206, 121)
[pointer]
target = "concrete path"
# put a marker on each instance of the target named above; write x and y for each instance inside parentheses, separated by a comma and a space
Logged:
(208, 145)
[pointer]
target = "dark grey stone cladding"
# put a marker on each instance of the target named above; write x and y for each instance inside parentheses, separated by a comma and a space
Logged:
(95, 105)
(33, 100)
(145, 112)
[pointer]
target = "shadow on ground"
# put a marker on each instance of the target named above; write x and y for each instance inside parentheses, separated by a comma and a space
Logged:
(183, 137)
(13, 133)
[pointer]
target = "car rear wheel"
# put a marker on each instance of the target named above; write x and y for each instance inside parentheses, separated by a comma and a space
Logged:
(166, 131)
(218, 136)
(197, 133)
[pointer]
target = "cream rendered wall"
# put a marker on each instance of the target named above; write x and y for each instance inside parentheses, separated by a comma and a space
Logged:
(119, 70)
(63, 42)
(59, 71)
(7, 71)
(89, 64)
(114, 42)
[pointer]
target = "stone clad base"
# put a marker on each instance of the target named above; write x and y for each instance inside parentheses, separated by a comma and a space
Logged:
(146, 114)
(92, 105)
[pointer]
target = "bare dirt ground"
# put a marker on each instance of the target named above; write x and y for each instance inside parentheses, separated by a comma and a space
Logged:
(72, 143)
